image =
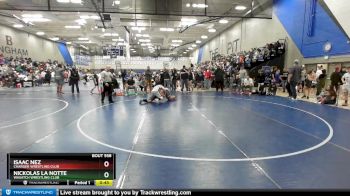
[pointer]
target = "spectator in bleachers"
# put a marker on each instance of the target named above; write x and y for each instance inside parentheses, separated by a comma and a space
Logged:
(219, 78)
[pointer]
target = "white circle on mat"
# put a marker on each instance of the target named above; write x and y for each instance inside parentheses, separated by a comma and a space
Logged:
(325, 141)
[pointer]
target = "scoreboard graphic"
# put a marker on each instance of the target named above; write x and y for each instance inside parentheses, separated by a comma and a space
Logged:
(90, 169)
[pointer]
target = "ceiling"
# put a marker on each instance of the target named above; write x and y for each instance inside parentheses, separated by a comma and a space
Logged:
(125, 14)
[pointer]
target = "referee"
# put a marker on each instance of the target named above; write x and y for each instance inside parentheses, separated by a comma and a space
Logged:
(106, 79)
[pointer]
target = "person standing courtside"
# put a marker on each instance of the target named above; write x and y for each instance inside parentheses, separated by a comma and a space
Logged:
(59, 78)
(95, 79)
(294, 77)
(148, 77)
(219, 79)
(74, 79)
(167, 78)
(106, 79)
(184, 75)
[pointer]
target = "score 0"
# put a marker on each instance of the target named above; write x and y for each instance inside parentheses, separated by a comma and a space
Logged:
(106, 165)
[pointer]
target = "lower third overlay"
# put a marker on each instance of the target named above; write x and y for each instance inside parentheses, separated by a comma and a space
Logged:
(94, 192)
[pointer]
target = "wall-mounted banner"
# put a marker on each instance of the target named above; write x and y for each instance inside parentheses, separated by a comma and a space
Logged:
(82, 60)
(8, 47)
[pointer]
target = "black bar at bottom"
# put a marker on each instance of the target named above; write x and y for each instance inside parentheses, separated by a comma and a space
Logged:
(120, 192)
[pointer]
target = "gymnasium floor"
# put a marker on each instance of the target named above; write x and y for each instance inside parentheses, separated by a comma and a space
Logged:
(204, 140)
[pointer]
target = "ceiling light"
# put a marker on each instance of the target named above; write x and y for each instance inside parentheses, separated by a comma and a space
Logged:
(110, 35)
(76, 1)
(198, 41)
(121, 44)
(40, 33)
(240, 7)
(188, 21)
(177, 41)
(142, 35)
(72, 27)
(18, 26)
(84, 17)
(188, 5)
(63, 1)
(167, 29)
(81, 21)
(55, 38)
(222, 21)
(138, 28)
(134, 51)
(211, 30)
(175, 45)
(83, 38)
(116, 2)
(190, 48)
(103, 30)
(94, 17)
(194, 45)
(68, 42)
(26, 20)
(200, 5)
(185, 52)
(143, 44)
(118, 40)
(144, 40)
(86, 48)
(138, 24)
(85, 42)
(32, 15)
(204, 37)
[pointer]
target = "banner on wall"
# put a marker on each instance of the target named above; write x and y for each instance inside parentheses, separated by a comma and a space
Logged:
(82, 60)
(200, 55)
(8, 48)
